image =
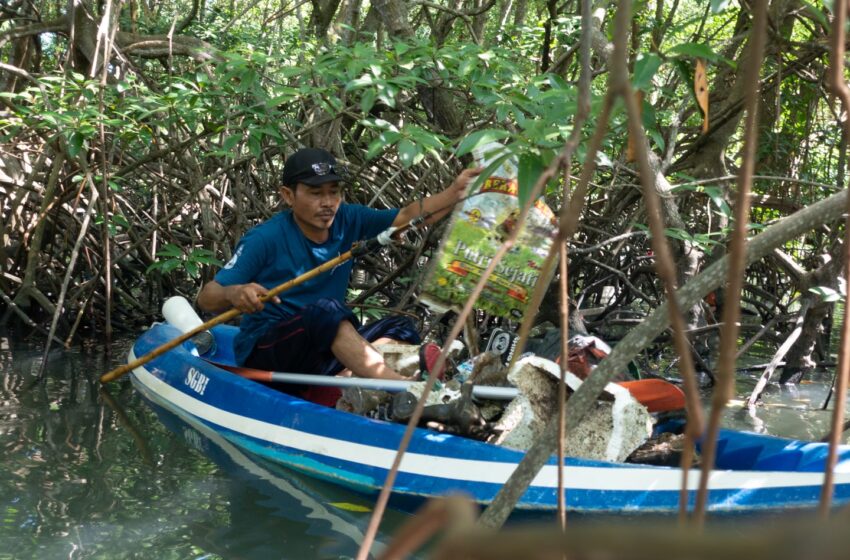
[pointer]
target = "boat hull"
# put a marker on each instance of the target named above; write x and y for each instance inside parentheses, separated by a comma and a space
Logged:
(356, 452)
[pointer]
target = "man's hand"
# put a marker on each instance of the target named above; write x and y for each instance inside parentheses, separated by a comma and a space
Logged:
(216, 298)
(461, 182)
(246, 297)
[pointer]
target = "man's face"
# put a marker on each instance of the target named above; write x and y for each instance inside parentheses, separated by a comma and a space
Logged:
(314, 208)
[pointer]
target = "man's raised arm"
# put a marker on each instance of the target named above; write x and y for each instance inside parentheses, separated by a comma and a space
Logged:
(440, 203)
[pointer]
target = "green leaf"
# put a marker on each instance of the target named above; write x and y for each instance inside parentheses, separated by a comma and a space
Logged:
(202, 259)
(170, 250)
(165, 267)
(121, 221)
(656, 137)
(816, 13)
(350, 507)
(696, 50)
(558, 82)
(479, 138)
(381, 123)
(409, 153)
(646, 66)
(367, 100)
(676, 233)
(75, 143)
(528, 172)
(363, 81)
(255, 143)
(281, 99)
(385, 139)
(191, 268)
(489, 170)
(425, 138)
(230, 142)
(827, 294)
(716, 196)
(602, 160)
(686, 74)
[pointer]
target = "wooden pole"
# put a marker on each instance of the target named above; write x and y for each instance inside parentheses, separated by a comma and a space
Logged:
(839, 86)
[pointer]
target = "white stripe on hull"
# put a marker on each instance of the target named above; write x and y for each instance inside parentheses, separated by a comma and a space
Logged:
(635, 478)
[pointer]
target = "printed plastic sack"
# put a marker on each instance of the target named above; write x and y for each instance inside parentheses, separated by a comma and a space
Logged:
(478, 228)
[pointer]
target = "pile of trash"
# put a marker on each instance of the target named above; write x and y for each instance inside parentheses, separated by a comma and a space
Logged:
(618, 427)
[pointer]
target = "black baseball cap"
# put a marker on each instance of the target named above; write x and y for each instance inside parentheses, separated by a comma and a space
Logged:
(311, 166)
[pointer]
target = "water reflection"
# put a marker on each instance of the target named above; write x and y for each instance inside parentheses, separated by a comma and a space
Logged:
(84, 478)
(260, 487)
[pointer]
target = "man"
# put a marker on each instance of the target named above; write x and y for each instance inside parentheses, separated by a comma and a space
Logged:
(308, 329)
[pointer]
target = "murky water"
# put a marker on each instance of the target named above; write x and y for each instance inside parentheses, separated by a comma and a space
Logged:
(88, 476)
(794, 411)
(85, 474)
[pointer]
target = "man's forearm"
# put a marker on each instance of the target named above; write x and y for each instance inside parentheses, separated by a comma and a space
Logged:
(213, 298)
(245, 297)
(434, 207)
(438, 205)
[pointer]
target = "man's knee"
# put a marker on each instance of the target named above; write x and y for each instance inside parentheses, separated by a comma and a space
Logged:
(323, 319)
(396, 327)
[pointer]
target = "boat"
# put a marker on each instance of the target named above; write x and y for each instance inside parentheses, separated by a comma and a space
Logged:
(754, 472)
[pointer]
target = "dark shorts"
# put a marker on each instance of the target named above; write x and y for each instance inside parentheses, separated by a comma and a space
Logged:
(302, 343)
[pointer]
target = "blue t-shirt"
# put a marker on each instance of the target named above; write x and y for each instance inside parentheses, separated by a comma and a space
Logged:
(277, 251)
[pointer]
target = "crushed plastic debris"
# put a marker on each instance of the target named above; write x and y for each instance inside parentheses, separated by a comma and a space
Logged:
(617, 427)
(610, 432)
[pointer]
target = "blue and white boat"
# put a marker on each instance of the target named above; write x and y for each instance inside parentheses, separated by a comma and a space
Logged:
(753, 473)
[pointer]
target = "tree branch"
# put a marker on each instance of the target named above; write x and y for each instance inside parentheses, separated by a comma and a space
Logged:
(56, 26)
(155, 46)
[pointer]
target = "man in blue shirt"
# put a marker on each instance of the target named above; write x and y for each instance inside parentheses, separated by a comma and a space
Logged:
(309, 329)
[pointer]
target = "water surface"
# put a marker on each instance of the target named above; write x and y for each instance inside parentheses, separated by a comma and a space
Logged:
(83, 475)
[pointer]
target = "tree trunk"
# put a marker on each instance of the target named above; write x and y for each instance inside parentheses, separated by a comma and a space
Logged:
(438, 103)
(519, 12)
(322, 16)
(799, 361)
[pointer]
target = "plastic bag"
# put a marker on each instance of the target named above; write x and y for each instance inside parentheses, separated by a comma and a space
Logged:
(479, 226)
